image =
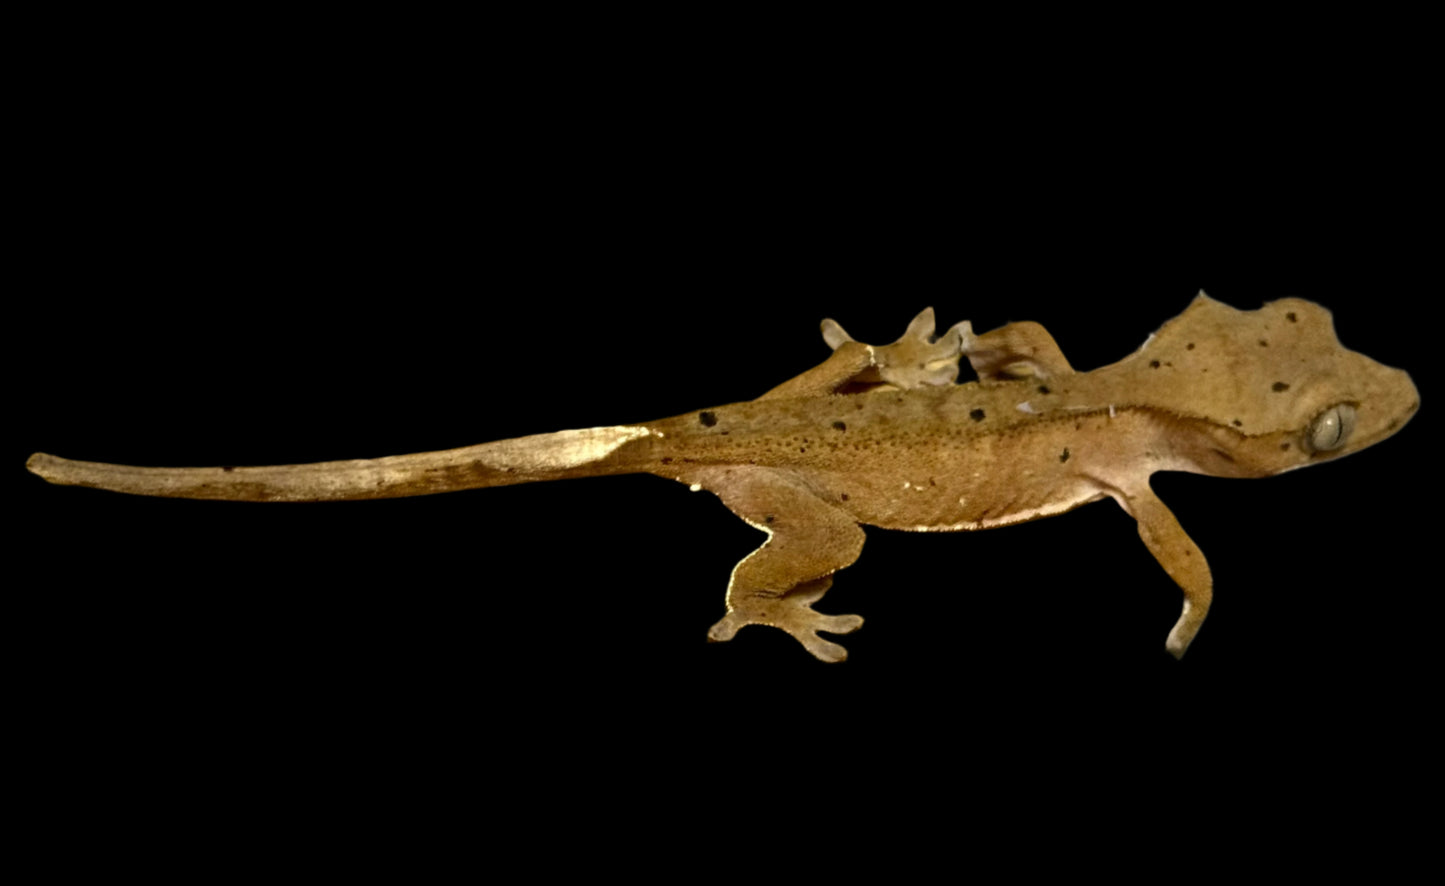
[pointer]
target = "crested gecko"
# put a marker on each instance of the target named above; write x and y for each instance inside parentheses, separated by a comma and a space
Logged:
(885, 436)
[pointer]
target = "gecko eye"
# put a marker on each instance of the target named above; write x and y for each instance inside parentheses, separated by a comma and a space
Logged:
(1331, 429)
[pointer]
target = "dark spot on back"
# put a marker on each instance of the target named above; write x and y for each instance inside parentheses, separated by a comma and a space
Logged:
(1153, 364)
(1044, 389)
(708, 419)
(976, 415)
(1263, 343)
(1064, 456)
(769, 518)
(228, 468)
(1279, 386)
(1290, 317)
(1238, 423)
(839, 426)
(1189, 347)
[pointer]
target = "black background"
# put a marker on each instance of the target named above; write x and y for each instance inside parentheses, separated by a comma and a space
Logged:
(362, 261)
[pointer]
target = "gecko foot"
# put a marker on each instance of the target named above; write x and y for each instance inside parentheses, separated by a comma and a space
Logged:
(792, 612)
(918, 359)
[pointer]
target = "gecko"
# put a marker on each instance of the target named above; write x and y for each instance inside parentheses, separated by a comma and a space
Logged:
(886, 436)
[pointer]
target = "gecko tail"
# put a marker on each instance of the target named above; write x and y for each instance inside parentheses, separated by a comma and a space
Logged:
(582, 453)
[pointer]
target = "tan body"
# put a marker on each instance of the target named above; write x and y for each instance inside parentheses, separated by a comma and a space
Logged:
(883, 436)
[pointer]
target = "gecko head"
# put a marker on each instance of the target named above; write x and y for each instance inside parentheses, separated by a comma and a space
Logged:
(1280, 377)
(1319, 399)
(1289, 393)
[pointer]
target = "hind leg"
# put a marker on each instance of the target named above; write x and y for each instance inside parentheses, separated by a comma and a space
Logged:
(777, 585)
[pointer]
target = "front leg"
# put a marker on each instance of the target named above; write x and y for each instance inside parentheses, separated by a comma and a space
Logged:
(1179, 556)
(1016, 350)
(846, 365)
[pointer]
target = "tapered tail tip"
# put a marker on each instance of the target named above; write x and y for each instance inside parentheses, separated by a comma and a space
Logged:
(36, 463)
(45, 466)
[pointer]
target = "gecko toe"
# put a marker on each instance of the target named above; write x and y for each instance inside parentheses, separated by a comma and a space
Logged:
(839, 624)
(804, 624)
(823, 650)
(726, 628)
